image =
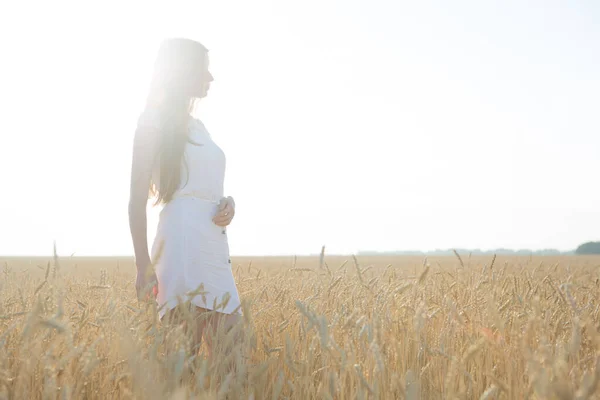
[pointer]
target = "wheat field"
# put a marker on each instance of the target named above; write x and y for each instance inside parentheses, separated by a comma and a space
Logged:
(335, 328)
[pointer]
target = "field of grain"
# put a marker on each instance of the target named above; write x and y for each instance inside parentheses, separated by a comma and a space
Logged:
(365, 328)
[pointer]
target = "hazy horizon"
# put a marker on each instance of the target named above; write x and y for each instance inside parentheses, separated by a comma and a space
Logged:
(361, 126)
(363, 252)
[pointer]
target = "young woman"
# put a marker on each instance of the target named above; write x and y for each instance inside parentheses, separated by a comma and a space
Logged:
(176, 161)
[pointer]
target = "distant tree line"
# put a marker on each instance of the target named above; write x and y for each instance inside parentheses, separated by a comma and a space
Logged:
(588, 248)
(475, 252)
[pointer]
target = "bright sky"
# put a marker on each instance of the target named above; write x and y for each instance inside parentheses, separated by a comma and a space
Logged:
(359, 125)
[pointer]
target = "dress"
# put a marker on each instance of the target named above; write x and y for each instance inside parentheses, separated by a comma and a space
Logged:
(189, 249)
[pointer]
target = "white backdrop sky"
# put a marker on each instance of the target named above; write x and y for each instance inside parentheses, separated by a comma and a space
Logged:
(359, 125)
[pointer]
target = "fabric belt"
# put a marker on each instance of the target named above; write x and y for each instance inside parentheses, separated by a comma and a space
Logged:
(198, 195)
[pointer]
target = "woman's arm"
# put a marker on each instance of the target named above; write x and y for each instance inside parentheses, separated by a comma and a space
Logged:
(145, 146)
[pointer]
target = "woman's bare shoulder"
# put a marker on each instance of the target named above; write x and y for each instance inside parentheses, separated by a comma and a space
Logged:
(150, 119)
(147, 132)
(149, 126)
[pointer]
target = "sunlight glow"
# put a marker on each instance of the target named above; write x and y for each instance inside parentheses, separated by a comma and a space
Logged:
(370, 125)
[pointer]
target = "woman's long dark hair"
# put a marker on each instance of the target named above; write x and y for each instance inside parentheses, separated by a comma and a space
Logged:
(176, 83)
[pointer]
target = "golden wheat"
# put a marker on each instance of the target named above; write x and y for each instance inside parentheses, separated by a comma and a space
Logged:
(388, 328)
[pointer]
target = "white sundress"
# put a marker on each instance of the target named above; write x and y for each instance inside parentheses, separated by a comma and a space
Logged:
(189, 249)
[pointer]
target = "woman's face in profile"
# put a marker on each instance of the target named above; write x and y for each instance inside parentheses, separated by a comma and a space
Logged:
(204, 79)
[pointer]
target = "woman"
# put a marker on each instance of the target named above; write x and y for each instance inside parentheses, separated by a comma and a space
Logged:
(176, 161)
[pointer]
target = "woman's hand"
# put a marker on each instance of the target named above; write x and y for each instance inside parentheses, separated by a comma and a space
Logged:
(146, 281)
(226, 211)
